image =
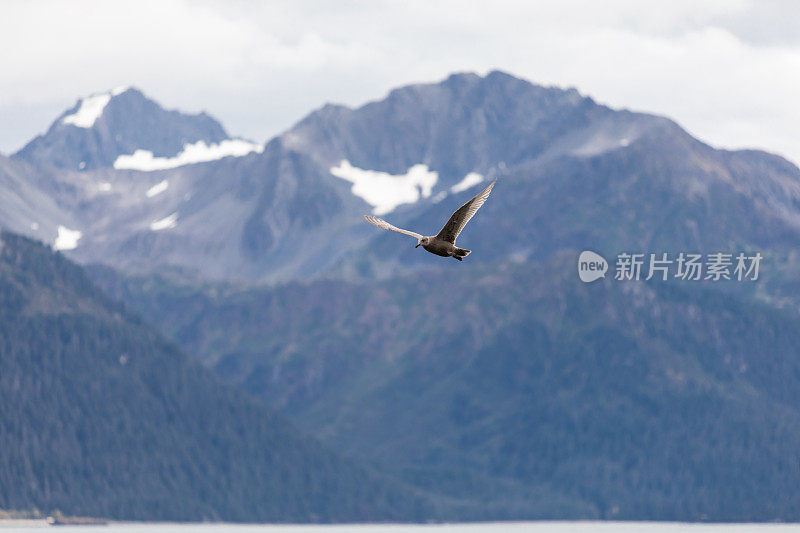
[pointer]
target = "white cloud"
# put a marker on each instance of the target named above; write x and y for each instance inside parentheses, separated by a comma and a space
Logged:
(470, 180)
(727, 70)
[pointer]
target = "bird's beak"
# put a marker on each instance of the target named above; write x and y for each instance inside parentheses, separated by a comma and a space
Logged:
(417, 246)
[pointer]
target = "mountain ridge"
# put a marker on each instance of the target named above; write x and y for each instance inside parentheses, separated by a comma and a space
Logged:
(312, 183)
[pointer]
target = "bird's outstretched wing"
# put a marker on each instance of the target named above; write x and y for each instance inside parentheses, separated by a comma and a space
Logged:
(375, 221)
(460, 218)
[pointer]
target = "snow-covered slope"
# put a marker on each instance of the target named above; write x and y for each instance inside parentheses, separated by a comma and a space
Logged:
(383, 191)
(198, 152)
(90, 108)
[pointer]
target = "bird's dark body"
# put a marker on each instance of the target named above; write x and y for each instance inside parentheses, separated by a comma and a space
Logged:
(445, 249)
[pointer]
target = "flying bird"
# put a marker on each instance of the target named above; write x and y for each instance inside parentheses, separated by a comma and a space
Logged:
(444, 243)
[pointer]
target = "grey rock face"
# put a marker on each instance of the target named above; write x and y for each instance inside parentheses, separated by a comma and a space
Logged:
(464, 124)
(28, 200)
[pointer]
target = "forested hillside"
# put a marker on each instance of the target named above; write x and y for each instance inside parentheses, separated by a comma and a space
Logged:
(519, 388)
(101, 416)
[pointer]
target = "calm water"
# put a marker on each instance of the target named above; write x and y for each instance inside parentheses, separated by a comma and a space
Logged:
(497, 527)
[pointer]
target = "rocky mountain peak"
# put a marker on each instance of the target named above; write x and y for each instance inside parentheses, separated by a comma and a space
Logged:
(104, 127)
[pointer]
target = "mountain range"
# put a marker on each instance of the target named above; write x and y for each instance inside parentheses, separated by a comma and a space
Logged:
(499, 388)
(576, 174)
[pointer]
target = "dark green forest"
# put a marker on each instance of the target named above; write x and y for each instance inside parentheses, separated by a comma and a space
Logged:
(101, 416)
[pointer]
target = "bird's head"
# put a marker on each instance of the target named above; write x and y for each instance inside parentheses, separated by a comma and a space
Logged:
(422, 241)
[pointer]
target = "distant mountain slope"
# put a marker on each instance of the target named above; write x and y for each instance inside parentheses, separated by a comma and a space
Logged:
(572, 174)
(104, 126)
(29, 200)
(99, 415)
(521, 388)
(665, 192)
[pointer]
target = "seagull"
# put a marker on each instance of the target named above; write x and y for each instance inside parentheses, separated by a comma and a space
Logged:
(444, 243)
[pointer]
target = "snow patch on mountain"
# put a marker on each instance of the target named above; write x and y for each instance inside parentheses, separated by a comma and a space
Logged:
(91, 108)
(165, 223)
(67, 239)
(470, 180)
(157, 189)
(384, 191)
(198, 152)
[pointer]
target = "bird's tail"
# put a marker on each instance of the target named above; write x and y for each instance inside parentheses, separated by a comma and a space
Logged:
(460, 252)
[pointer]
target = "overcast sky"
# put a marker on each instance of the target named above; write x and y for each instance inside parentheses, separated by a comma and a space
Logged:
(728, 70)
